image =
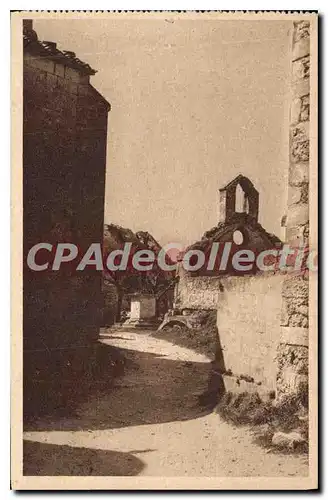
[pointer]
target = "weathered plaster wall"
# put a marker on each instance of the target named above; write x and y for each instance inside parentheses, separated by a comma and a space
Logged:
(292, 355)
(248, 321)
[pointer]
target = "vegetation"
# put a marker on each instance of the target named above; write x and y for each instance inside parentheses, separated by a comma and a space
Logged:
(267, 417)
(128, 281)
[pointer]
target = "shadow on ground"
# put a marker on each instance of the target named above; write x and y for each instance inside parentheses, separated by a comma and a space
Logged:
(41, 459)
(56, 381)
(153, 389)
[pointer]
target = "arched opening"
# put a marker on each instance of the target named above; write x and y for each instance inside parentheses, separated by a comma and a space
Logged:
(240, 196)
(238, 237)
(241, 201)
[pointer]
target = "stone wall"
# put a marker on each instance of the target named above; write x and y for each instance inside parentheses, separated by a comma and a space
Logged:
(65, 135)
(192, 292)
(248, 321)
(64, 161)
(292, 354)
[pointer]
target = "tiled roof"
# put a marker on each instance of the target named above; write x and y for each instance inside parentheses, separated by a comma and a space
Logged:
(49, 50)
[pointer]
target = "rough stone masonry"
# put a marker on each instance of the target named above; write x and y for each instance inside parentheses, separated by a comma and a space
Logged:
(292, 355)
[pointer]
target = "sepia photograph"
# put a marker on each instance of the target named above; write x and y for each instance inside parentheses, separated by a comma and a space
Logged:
(165, 262)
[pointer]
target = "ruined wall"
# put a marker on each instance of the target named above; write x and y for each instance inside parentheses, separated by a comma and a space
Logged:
(292, 354)
(192, 292)
(248, 321)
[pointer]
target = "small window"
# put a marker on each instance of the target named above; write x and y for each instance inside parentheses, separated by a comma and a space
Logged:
(238, 237)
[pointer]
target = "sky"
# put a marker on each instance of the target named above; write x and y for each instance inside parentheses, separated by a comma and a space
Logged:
(193, 104)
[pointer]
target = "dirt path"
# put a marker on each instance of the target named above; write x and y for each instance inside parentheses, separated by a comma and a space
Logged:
(151, 424)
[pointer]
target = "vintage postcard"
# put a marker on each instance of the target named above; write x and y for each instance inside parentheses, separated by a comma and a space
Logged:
(164, 250)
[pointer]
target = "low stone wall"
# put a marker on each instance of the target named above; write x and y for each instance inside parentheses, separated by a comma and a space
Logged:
(248, 321)
(197, 292)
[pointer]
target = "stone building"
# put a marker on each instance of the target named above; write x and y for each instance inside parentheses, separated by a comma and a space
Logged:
(292, 376)
(64, 162)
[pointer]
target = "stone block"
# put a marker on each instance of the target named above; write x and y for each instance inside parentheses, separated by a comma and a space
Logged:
(300, 144)
(288, 354)
(284, 315)
(298, 174)
(301, 30)
(295, 336)
(301, 48)
(300, 88)
(295, 111)
(295, 236)
(299, 321)
(294, 195)
(290, 440)
(305, 193)
(298, 301)
(292, 370)
(43, 64)
(298, 215)
(73, 88)
(84, 79)
(301, 68)
(72, 74)
(305, 108)
(83, 90)
(295, 286)
(52, 82)
(68, 86)
(60, 70)
(297, 304)
(303, 309)
(300, 132)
